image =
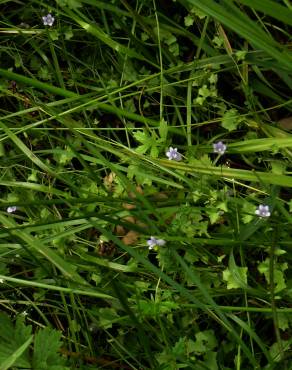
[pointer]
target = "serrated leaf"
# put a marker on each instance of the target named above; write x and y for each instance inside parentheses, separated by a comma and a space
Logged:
(6, 364)
(231, 120)
(154, 152)
(141, 136)
(12, 337)
(142, 149)
(149, 143)
(202, 161)
(228, 277)
(46, 346)
(213, 214)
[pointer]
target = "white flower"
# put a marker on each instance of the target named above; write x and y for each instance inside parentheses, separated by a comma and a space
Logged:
(173, 154)
(219, 147)
(153, 242)
(48, 20)
(1, 281)
(263, 211)
(11, 209)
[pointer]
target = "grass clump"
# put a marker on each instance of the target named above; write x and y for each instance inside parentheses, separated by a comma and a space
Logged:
(145, 152)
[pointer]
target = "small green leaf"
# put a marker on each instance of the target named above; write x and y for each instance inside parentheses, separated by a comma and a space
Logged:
(163, 129)
(189, 20)
(68, 33)
(279, 279)
(231, 120)
(54, 35)
(210, 360)
(107, 317)
(283, 321)
(248, 211)
(232, 282)
(240, 55)
(198, 12)
(213, 214)
(205, 341)
(235, 276)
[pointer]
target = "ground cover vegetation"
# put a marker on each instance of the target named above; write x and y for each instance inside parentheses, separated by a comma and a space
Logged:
(145, 153)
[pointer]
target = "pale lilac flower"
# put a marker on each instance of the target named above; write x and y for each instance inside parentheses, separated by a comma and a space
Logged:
(219, 147)
(153, 242)
(11, 209)
(263, 211)
(173, 154)
(48, 20)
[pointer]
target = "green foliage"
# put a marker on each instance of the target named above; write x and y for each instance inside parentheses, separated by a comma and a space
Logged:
(235, 278)
(46, 345)
(190, 222)
(72, 4)
(11, 338)
(150, 142)
(231, 120)
(278, 273)
(89, 108)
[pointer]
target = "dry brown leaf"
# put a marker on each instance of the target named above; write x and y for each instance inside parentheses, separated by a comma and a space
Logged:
(130, 219)
(141, 224)
(120, 230)
(128, 206)
(130, 238)
(160, 196)
(108, 180)
(286, 123)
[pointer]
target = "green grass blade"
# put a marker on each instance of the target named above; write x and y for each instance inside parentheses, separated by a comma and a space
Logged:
(66, 269)
(232, 17)
(8, 363)
(270, 8)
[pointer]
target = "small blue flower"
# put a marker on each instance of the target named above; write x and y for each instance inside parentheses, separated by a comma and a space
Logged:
(263, 211)
(11, 209)
(219, 147)
(48, 20)
(153, 242)
(173, 154)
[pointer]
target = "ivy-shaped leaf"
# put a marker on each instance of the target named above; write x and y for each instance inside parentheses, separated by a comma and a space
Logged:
(205, 341)
(237, 280)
